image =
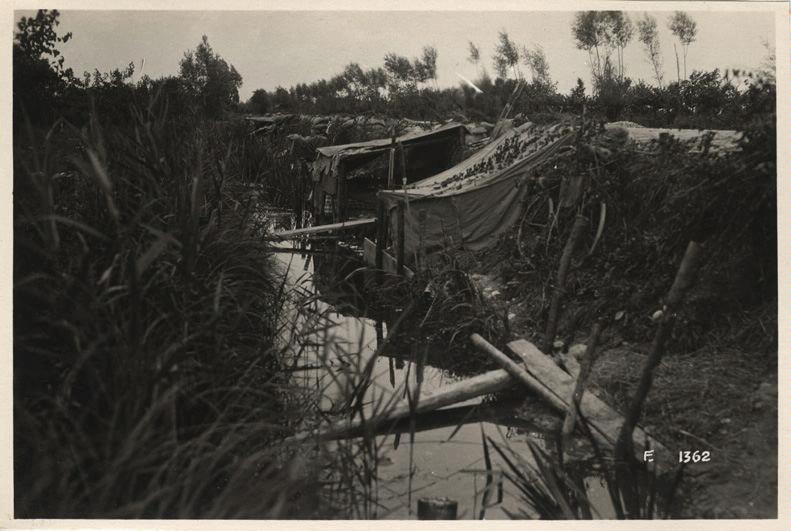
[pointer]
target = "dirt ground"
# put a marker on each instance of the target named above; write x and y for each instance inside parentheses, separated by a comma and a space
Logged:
(717, 398)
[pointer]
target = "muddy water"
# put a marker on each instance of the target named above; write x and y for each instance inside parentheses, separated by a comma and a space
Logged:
(446, 457)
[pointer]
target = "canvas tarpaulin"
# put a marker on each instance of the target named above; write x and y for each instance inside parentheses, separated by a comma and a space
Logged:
(471, 204)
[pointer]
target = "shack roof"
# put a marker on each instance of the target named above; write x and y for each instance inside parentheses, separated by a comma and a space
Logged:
(380, 144)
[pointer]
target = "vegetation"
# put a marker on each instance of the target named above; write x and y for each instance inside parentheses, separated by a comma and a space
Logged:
(147, 382)
(150, 375)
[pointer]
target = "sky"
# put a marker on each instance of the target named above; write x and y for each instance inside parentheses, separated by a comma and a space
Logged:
(282, 48)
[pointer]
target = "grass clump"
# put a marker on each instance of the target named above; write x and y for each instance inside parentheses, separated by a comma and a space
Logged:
(146, 382)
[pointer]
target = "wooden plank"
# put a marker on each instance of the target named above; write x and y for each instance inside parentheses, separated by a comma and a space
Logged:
(517, 373)
(606, 421)
(483, 384)
(318, 229)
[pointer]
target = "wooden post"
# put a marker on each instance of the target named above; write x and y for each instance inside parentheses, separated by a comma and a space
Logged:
(381, 236)
(391, 170)
(580, 222)
(685, 277)
(401, 213)
(340, 185)
(436, 509)
(588, 360)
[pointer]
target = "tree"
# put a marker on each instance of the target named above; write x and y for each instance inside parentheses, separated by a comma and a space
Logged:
(589, 32)
(428, 64)
(599, 33)
(649, 37)
(210, 79)
(281, 100)
(39, 79)
(259, 102)
(536, 61)
(576, 97)
(686, 30)
(475, 54)
(620, 31)
(506, 55)
(399, 69)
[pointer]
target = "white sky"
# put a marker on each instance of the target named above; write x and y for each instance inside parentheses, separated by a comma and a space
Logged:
(271, 48)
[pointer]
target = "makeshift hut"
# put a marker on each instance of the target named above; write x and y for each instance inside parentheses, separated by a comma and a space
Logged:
(347, 177)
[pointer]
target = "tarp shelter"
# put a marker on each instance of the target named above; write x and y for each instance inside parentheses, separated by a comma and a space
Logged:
(341, 184)
(469, 205)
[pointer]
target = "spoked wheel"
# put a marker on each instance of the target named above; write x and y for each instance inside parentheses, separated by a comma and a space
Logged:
(536, 227)
(544, 225)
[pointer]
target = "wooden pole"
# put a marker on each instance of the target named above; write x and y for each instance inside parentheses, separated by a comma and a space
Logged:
(580, 222)
(588, 359)
(400, 239)
(685, 277)
(483, 384)
(381, 236)
(320, 229)
(391, 170)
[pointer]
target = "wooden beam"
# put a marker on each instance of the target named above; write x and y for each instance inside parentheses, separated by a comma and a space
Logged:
(483, 384)
(318, 229)
(604, 421)
(391, 170)
(400, 239)
(381, 236)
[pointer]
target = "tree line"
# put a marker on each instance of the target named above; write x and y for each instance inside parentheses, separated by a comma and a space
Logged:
(404, 87)
(207, 85)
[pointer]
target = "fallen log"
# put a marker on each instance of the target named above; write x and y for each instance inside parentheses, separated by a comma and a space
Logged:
(483, 384)
(318, 229)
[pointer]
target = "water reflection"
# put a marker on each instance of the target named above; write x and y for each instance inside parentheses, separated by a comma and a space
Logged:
(434, 454)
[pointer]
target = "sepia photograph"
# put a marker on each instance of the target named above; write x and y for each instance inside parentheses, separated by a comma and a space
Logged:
(407, 264)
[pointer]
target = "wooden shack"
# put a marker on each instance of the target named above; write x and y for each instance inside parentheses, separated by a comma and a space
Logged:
(346, 178)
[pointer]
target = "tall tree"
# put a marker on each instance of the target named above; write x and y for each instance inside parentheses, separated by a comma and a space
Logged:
(619, 33)
(686, 30)
(600, 33)
(649, 37)
(475, 54)
(506, 56)
(400, 74)
(210, 79)
(428, 64)
(536, 61)
(590, 34)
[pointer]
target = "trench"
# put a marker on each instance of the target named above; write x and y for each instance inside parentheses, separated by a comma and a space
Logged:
(443, 449)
